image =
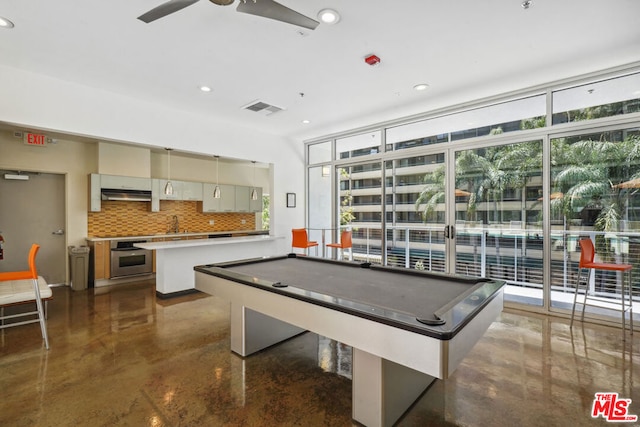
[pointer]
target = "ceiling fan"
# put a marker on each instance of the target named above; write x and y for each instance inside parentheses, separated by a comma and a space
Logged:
(265, 8)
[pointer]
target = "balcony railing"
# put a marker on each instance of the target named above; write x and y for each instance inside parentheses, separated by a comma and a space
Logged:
(513, 254)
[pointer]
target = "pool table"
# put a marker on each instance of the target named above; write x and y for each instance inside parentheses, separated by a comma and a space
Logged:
(406, 327)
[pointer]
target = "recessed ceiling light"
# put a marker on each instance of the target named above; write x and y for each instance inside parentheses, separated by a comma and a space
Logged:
(421, 86)
(329, 16)
(5, 23)
(205, 88)
(306, 122)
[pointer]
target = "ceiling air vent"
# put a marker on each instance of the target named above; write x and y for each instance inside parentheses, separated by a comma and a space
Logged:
(262, 108)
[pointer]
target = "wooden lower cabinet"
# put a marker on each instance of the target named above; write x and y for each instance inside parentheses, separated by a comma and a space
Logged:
(101, 260)
(156, 239)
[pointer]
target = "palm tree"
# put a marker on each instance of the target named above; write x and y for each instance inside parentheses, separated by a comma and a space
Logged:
(431, 195)
(589, 174)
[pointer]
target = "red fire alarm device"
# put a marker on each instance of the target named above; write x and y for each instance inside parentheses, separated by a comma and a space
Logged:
(372, 60)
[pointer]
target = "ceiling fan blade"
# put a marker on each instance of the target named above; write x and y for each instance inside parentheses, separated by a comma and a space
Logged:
(165, 9)
(271, 9)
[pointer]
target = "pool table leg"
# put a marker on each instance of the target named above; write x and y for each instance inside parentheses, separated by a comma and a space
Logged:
(383, 390)
(252, 331)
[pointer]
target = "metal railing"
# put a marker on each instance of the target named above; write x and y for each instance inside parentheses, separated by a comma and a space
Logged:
(513, 254)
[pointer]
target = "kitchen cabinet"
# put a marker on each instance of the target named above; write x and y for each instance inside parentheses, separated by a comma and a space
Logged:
(182, 190)
(101, 260)
(226, 202)
(244, 203)
(125, 182)
(243, 198)
(177, 189)
(256, 205)
(95, 202)
(155, 195)
(191, 190)
(99, 181)
(155, 239)
(227, 198)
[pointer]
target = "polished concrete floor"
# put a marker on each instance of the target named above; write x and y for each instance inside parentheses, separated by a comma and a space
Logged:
(122, 357)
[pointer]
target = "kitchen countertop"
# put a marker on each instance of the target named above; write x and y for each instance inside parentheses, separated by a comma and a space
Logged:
(237, 233)
(175, 244)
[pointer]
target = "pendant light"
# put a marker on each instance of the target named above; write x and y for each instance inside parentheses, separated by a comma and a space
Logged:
(216, 190)
(168, 188)
(254, 193)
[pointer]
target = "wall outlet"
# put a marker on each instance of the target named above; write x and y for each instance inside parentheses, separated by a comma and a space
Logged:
(212, 221)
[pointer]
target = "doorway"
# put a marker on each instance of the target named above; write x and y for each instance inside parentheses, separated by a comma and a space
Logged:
(32, 210)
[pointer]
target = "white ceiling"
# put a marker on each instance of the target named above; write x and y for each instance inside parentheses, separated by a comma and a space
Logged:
(464, 49)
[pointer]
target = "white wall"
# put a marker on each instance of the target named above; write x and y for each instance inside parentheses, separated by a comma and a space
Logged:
(41, 103)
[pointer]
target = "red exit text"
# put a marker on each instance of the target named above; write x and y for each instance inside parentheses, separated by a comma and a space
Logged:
(35, 139)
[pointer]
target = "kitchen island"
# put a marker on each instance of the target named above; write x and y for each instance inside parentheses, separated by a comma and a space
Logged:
(175, 259)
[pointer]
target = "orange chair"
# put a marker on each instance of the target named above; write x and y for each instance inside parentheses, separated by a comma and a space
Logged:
(21, 287)
(345, 243)
(301, 240)
(587, 255)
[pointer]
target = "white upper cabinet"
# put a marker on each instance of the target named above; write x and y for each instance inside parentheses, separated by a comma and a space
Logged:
(256, 205)
(95, 202)
(243, 196)
(182, 190)
(125, 182)
(226, 202)
(244, 203)
(191, 190)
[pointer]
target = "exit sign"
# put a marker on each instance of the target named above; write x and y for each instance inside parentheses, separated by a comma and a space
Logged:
(35, 139)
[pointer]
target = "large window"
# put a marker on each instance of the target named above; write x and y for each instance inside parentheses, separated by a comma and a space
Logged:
(499, 231)
(595, 183)
(468, 191)
(359, 145)
(605, 98)
(509, 116)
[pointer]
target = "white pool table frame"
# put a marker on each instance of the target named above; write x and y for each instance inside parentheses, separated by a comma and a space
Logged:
(391, 366)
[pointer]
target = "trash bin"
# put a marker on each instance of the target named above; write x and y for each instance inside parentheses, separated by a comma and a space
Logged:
(79, 267)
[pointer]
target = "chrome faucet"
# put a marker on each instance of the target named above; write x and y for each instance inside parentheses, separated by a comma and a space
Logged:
(175, 225)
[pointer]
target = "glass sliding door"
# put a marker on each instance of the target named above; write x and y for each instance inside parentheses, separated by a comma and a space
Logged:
(498, 217)
(595, 194)
(360, 209)
(319, 205)
(415, 212)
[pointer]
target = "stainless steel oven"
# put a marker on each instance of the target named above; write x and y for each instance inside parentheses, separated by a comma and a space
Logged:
(127, 260)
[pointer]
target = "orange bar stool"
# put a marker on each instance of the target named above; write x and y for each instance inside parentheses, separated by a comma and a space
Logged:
(21, 287)
(345, 243)
(587, 255)
(301, 240)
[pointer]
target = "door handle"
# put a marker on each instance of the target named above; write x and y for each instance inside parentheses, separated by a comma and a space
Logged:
(58, 232)
(449, 232)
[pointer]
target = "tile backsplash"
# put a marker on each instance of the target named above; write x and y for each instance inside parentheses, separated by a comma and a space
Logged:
(119, 218)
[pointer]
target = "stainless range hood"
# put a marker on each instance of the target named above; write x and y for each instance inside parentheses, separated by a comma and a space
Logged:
(126, 195)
